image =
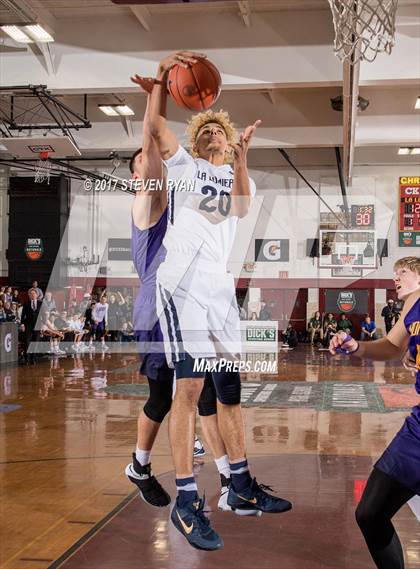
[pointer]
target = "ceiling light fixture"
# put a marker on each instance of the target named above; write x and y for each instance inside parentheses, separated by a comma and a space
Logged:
(409, 150)
(17, 34)
(117, 110)
(38, 33)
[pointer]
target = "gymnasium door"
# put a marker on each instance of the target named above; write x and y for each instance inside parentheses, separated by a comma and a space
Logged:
(287, 305)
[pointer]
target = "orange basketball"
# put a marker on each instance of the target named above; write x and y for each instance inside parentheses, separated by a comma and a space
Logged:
(196, 87)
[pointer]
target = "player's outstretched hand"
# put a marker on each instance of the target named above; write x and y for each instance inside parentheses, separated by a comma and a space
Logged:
(342, 343)
(182, 58)
(240, 149)
(146, 83)
(409, 363)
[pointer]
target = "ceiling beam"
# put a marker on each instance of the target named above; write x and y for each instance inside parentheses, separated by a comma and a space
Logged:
(143, 16)
(245, 12)
(350, 105)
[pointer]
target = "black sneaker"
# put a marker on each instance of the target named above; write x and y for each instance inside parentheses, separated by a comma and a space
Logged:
(150, 489)
(256, 497)
(194, 525)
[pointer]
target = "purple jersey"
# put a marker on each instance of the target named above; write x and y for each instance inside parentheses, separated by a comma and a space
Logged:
(148, 253)
(412, 324)
(401, 460)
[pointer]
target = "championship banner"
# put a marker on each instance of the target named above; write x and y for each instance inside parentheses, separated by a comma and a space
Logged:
(409, 215)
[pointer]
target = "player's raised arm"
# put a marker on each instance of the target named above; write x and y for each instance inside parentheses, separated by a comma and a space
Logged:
(241, 191)
(392, 347)
(164, 137)
(147, 168)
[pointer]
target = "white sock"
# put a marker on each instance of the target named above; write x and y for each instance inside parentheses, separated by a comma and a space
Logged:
(143, 456)
(222, 464)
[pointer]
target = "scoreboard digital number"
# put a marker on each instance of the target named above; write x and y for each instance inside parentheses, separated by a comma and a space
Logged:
(363, 216)
(409, 214)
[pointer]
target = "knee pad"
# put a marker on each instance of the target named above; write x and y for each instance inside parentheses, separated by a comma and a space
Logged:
(160, 399)
(207, 404)
(228, 387)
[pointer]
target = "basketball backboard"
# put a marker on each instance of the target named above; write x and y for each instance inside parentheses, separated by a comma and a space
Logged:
(31, 147)
(347, 247)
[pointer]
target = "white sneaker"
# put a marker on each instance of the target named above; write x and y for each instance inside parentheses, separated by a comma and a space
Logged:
(222, 503)
(105, 348)
(198, 448)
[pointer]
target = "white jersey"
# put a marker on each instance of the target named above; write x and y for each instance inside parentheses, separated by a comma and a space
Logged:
(100, 312)
(198, 222)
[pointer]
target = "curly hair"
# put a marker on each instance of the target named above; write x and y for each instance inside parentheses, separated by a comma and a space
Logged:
(412, 263)
(220, 117)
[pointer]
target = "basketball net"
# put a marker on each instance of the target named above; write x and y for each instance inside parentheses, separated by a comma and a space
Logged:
(363, 28)
(347, 260)
(43, 168)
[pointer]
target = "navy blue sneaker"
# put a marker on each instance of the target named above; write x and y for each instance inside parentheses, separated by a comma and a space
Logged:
(198, 448)
(195, 526)
(255, 497)
(150, 489)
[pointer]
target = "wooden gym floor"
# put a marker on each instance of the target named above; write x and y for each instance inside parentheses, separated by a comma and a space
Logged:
(68, 427)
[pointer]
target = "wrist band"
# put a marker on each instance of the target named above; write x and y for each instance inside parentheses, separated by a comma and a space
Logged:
(340, 350)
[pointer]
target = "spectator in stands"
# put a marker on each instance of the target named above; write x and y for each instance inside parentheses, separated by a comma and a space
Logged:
(126, 332)
(368, 329)
(85, 303)
(242, 313)
(10, 317)
(254, 316)
(290, 336)
(123, 309)
(388, 314)
(265, 314)
(73, 308)
(15, 296)
(330, 328)
(113, 317)
(315, 327)
(3, 317)
(9, 294)
(344, 324)
(39, 293)
(49, 330)
(48, 302)
(63, 324)
(15, 313)
(77, 325)
(99, 321)
(398, 306)
(30, 313)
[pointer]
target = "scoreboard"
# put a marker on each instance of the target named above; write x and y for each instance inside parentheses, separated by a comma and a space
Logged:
(409, 211)
(363, 216)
